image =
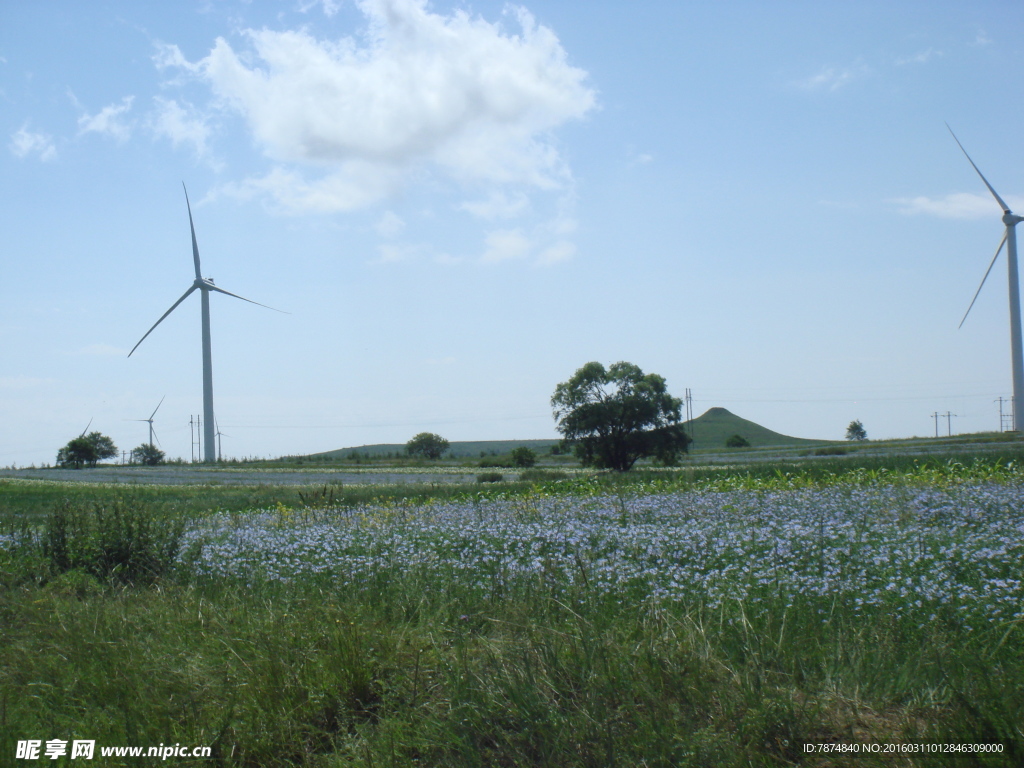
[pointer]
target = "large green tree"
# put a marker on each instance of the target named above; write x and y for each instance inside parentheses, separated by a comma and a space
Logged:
(427, 445)
(86, 450)
(616, 416)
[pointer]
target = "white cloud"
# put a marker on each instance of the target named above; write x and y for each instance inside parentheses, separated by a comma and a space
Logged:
(392, 253)
(453, 94)
(560, 251)
(498, 205)
(169, 56)
(919, 58)
(960, 205)
(109, 120)
(182, 125)
(389, 225)
(505, 244)
(447, 259)
(832, 79)
(331, 7)
(546, 244)
(561, 225)
(355, 184)
(24, 143)
(635, 158)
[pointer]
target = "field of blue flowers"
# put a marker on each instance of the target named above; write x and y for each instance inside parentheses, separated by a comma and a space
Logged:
(953, 554)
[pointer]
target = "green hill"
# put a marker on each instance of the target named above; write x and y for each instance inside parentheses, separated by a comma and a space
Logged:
(710, 431)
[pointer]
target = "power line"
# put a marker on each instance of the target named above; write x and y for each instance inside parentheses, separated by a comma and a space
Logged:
(843, 399)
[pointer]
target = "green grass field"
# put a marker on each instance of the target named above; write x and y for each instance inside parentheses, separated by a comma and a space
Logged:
(705, 616)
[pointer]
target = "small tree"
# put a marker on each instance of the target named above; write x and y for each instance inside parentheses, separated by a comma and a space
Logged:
(616, 416)
(148, 455)
(523, 457)
(427, 445)
(856, 431)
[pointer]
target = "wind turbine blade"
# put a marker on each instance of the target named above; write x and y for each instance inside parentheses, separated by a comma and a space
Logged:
(157, 407)
(156, 437)
(86, 428)
(195, 245)
(998, 250)
(229, 293)
(1002, 204)
(165, 314)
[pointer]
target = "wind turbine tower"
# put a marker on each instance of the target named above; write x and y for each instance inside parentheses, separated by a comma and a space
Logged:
(1010, 220)
(205, 286)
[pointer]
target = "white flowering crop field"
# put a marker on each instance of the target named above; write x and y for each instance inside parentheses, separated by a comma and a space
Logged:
(925, 553)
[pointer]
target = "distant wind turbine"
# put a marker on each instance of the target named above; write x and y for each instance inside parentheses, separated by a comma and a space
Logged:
(219, 435)
(150, 419)
(1010, 240)
(205, 286)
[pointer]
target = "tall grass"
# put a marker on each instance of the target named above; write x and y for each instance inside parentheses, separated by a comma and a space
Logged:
(645, 621)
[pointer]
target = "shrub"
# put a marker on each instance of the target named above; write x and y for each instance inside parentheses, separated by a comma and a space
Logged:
(542, 475)
(148, 455)
(489, 477)
(737, 441)
(523, 457)
(119, 541)
(832, 450)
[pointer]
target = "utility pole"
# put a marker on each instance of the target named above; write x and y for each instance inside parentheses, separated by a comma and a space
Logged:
(195, 436)
(689, 415)
(949, 423)
(936, 417)
(1002, 417)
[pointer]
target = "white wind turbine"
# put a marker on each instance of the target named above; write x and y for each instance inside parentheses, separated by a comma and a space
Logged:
(150, 419)
(219, 436)
(1010, 240)
(204, 286)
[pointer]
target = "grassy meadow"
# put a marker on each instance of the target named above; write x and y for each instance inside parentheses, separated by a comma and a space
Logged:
(703, 616)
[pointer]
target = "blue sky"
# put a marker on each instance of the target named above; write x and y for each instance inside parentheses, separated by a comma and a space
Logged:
(459, 204)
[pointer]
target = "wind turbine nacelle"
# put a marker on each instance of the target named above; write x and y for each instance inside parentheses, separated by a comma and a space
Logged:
(1010, 219)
